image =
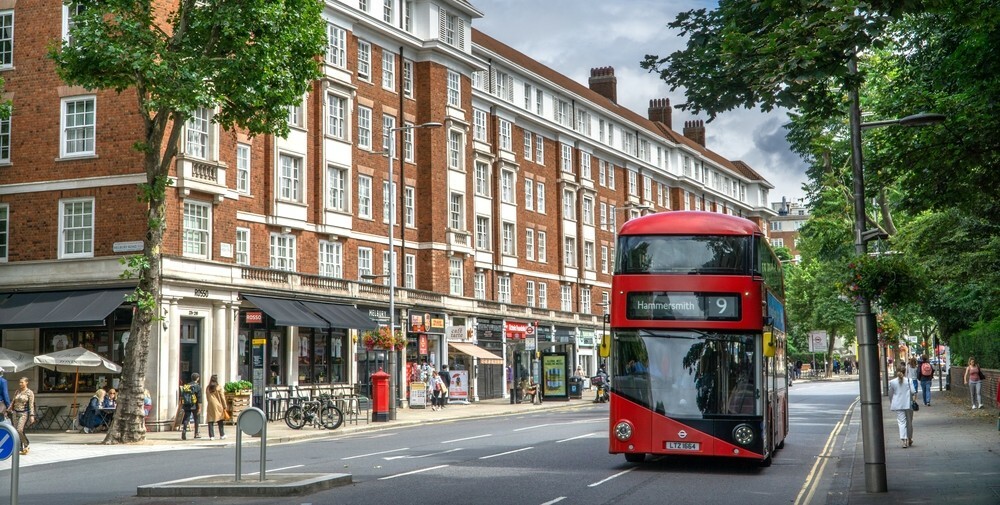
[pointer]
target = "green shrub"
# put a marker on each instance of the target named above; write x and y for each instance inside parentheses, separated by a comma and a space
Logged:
(235, 386)
(981, 341)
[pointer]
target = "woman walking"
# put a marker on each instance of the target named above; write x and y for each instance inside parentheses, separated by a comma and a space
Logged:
(911, 372)
(974, 378)
(901, 393)
(23, 405)
(216, 412)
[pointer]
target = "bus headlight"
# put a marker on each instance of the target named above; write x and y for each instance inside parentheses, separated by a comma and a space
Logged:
(743, 434)
(623, 431)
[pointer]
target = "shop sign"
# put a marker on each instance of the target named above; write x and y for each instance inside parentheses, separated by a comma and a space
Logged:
(437, 323)
(515, 329)
(417, 323)
(543, 333)
(456, 333)
(458, 387)
(586, 338)
(418, 395)
(565, 335)
(254, 317)
(489, 329)
(422, 344)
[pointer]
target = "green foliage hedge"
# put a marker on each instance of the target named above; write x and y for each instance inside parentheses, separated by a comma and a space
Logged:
(981, 341)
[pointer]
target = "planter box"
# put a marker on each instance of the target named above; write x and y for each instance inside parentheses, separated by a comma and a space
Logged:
(236, 403)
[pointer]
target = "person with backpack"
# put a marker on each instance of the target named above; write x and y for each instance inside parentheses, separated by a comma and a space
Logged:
(926, 374)
(191, 401)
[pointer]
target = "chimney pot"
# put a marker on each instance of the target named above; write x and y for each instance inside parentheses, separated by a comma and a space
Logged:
(660, 112)
(695, 130)
(603, 82)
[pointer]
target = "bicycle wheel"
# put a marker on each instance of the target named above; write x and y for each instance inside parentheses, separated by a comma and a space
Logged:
(294, 417)
(331, 417)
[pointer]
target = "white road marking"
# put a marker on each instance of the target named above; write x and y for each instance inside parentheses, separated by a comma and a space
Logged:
(406, 456)
(374, 454)
(387, 477)
(467, 438)
(277, 469)
(577, 437)
(533, 427)
(615, 476)
(557, 500)
(506, 453)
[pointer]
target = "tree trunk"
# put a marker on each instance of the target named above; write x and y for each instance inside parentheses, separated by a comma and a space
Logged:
(829, 353)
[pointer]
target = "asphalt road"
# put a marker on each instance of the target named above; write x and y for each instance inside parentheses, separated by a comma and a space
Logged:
(544, 458)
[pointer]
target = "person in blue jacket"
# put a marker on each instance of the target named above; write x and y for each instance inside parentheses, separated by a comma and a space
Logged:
(4, 397)
(92, 417)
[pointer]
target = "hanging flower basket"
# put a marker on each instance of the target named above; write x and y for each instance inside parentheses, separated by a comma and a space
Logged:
(885, 279)
(384, 339)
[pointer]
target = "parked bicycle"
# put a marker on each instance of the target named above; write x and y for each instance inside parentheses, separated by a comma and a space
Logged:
(322, 412)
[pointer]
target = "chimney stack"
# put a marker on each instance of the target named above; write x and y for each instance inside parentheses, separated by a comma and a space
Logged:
(659, 112)
(695, 130)
(603, 82)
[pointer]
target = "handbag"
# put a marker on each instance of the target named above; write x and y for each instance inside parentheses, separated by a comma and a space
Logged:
(914, 405)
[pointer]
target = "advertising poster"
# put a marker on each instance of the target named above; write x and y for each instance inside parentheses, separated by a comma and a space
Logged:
(418, 395)
(458, 389)
(554, 375)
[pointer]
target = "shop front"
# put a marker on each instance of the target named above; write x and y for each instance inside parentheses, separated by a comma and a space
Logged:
(490, 377)
(586, 358)
(369, 361)
(521, 343)
(465, 360)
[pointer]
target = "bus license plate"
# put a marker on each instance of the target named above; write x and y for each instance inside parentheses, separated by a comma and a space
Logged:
(684, 446)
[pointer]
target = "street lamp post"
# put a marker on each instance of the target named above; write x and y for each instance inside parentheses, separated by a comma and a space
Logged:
(394, 378)
(871, 400)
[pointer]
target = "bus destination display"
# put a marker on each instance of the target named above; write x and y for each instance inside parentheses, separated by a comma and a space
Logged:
(683, 306)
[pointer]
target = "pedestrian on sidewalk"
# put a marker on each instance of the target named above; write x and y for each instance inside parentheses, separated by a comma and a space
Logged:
(974, 378)
(215, 413)
(445, 376)
(436, 386)
(190, 402)
(23, 407)
(911, 371)
(901, 393)
(926, 374)
(4, 399)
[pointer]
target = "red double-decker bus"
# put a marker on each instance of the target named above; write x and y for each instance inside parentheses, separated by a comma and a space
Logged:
(697, 361)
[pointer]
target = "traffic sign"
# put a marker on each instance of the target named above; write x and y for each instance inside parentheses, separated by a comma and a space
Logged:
(6, 445)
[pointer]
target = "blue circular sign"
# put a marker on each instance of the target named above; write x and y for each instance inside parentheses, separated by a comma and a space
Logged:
(6, 443)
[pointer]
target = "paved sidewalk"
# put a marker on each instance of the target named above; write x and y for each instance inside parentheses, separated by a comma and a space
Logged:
(955, 457)
(56, 446)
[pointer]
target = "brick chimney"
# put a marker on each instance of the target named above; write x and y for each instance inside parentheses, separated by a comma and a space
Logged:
(603, 81)
(695, 130)
(660, 112)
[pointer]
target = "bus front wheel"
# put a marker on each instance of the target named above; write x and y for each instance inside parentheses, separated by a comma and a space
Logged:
(633, 457)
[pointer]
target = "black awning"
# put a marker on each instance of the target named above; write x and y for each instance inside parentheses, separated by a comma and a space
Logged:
(287, 312)
(51, 309)
(341, 316)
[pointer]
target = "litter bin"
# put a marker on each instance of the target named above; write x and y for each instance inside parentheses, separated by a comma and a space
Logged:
(575, 387)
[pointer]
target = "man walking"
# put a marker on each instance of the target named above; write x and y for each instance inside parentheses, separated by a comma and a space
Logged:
(446, 379)
(190, 402)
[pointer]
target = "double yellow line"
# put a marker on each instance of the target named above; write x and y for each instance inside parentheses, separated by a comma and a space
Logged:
(805, 495)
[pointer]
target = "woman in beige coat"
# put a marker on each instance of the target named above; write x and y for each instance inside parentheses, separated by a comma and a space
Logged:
(216, 412)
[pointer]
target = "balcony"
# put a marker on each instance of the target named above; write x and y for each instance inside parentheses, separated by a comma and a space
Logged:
(459, 242)
(202, 176)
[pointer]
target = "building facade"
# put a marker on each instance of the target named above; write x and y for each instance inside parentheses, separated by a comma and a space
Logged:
(504, 231)
(786, 225)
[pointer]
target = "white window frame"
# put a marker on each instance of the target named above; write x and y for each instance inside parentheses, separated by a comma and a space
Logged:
(529, 244)
(503, 289)
(506, 142)
(5, 146)
(388, 125)
(585, 301)
(566, 160)
(588, 210)
(479, 285)
(364, 263)
(409, 271)
(388, 70)
(408, 146)
(482, 178)
(409, 206)
(507, 193)
(529, 293)
(540, 197)
(407, 76)
(542, 248)
(604, 259)
(336, 45)
(529, 194)
(456, 211)
(331, 259)
(80, 231)
(483, 233)
(454, 84)
(566, 298)
(336, 116)
(4, 232)
(364, 61)
(196, 235)
(83, 135)
(585, 166)
(242, 247)
(456, 150)
(290, 177)
(336, 179)
(7, 38)
(569, 251)
(539, 149)
(364, 127)
(569, 204)
(242, 169)
(282, 252)
(543, 295)
(364, 197)
(508, 238)
(456, 278)
(528, 148)
(479, 128)
(588, 255)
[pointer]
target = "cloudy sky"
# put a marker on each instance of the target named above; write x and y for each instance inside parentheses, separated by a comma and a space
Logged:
(573, 36)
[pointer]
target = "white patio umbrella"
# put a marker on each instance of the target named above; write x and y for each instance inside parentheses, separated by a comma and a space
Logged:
(76, 359)
(15, 361)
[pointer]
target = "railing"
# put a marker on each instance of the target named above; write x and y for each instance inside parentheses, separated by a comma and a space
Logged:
(264, 275)
(325, 283)
(204, 171)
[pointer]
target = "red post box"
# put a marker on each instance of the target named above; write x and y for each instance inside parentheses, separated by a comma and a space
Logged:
(380, 396)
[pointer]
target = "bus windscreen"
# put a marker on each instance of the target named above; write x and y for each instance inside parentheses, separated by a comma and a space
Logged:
(678, 254)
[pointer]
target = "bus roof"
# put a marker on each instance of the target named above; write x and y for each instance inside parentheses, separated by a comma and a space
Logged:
(688, 222)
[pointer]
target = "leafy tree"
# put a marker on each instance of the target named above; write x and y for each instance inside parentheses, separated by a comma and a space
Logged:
(249, 58)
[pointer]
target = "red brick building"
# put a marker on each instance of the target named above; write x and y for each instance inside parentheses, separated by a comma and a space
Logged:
(506, 213)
